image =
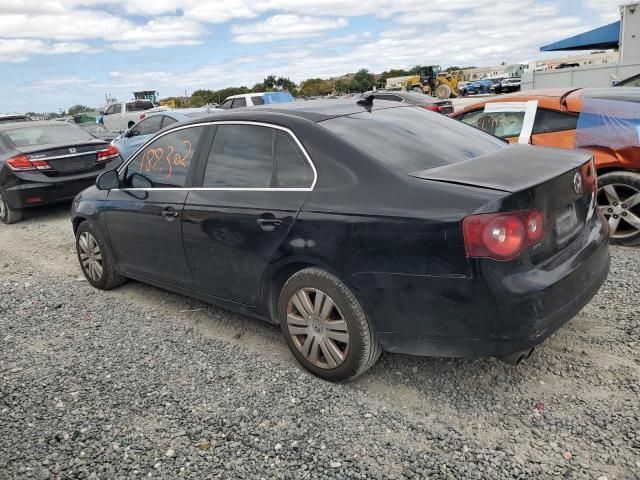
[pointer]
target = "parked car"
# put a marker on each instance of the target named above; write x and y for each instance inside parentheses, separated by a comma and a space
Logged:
(632, 81)
(14, 117)
(358, 226)
(132, 139)
(256, 99)
(507, 85)
(475, 88)
(585, 118)
(122, 115)
(568, 65)
(413, 98)
(45, 162)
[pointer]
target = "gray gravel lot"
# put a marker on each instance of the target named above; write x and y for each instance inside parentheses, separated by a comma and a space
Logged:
(138, 382)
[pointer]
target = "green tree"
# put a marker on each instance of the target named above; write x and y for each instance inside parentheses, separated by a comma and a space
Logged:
(363, 80)
(78, 109)
(314, 87)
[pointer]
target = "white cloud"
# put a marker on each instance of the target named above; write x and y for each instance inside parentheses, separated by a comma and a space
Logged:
(607, 10)
(159, 33)
(20, 50)
(283, 27)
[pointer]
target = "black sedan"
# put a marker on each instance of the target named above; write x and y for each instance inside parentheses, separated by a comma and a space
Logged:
(358, 227)
(416, 99)
(47, 162)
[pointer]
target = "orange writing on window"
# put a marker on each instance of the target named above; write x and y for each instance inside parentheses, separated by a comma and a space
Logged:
(161, 160)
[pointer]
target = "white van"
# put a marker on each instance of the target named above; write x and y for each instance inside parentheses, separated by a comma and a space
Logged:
(254, 99)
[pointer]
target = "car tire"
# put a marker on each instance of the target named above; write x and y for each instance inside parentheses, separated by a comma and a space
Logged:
(443, 91)
(330, 336)
(417, 89)
(104, 276)
(8, 215)
(619, 202)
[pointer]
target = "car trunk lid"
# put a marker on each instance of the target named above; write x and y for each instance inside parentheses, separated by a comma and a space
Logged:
(67, 159)
(560, 183)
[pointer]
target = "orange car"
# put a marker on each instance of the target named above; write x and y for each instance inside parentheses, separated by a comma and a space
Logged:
(605, 121)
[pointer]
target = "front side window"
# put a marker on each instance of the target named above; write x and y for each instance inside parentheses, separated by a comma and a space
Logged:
(165, 162)
(500, 124)
(239, 103)
(148, 126)
(116, 108)
(227, 104)
(241, 157)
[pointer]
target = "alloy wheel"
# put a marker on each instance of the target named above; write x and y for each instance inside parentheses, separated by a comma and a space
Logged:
(318, 328)
(620, 204)
(90, 256)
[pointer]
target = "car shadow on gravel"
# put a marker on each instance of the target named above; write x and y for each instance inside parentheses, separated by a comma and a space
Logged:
(47, 213)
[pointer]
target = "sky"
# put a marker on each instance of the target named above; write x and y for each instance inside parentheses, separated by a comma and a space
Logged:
(59, 53)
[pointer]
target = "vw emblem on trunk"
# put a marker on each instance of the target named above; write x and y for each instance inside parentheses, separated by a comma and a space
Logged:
(73, 150)
(577, 183)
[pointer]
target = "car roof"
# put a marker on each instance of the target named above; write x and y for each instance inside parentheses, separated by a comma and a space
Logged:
(312, 110)
(550, 98)
(35, 123)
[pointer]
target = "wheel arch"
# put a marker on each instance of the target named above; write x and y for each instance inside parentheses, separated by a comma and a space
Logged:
(279, 272)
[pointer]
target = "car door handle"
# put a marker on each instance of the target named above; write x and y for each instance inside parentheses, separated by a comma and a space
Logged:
(170, 213)
(269, 224)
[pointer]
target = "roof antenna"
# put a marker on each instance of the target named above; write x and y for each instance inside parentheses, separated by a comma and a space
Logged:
(366, 102)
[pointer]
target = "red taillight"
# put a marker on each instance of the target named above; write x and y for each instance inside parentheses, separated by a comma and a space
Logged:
(433, 108)
(142, 115)
(502, 236)
(108, 154)
(21, 163)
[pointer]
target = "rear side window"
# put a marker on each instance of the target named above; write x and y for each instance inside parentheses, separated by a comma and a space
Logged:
(165, 162)
(410, 139)
(166, 121)
(392, 98)
(550, 121)
(241, 157)
(257, 100)
(47, 134)
(292, 168)
(139, 106)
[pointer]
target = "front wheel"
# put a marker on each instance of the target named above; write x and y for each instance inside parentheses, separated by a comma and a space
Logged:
(619, 202)
(325, 327)
(95, 258)
(8, 215)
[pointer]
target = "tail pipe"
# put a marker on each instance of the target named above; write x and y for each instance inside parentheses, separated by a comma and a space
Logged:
(516, 357)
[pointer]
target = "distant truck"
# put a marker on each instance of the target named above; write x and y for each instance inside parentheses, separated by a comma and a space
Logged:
(122, 115)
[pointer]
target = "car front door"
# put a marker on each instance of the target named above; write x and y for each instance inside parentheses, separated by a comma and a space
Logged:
(254, 182)
(144, 216)
(111, 119)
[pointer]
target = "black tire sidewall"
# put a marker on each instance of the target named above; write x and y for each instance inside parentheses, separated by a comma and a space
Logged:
(626, 178)
(355, 356)
(107, 258)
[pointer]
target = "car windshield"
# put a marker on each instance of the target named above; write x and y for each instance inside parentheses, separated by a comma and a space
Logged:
(412, 139)
(277, 97)
(46, 135)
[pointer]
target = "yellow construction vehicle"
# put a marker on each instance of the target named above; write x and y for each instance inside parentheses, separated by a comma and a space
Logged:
(432, 81)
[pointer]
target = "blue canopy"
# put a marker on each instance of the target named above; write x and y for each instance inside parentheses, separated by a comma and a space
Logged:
(600, 38)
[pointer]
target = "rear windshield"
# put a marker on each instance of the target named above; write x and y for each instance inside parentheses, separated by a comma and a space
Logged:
(47, 135)
(17, 118)
(277, 97)
(412, 139)
(139, 106)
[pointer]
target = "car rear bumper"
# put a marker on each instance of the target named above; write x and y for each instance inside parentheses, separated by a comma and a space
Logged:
(476, 319)
(35, 189)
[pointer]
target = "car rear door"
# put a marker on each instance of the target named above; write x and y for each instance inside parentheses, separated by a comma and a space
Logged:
(554, 129)
(144, 216)
(254, 181)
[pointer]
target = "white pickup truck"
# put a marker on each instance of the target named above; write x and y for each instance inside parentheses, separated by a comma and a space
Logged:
(122, 115)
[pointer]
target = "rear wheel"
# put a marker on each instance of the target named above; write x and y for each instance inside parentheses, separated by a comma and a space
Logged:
(325, 327)
(95, 258)
(7, 214)
(417, 89)
(443, 91)
(619, 201)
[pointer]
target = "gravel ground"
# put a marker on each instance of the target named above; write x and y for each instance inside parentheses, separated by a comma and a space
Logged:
(138, 382)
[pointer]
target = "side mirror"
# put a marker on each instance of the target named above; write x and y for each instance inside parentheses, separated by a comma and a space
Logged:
(108, 180)
(140, 181)
(101, 113)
